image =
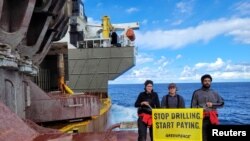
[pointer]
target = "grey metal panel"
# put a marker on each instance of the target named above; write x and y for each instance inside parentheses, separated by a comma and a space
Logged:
(99, 52)
(98, 82)
(112, 76)
(83, 81)
(100, 66)
(124, 52)
(124, 64)
(89, 66)
(93, 65)
(71, 66)
(78, 66)
(77, 54)
(103, 66)
(114, 64)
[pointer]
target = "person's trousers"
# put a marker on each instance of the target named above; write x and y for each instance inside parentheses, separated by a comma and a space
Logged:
(142, 131)
(206, 124)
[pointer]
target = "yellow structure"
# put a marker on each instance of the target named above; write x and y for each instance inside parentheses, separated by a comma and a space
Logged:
(61, 83)
(106, 27)
(67, 89)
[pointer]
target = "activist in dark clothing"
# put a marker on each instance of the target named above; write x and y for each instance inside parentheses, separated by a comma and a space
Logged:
(114, 38)
(209, 100)
(172, 99)
(145, 102)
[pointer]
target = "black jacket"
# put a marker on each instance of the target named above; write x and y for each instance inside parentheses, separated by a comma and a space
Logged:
(152, 98)
(114, 37)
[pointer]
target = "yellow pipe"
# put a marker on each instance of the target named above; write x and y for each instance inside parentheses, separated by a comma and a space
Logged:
(106, 27)
(67, 89)
(61, 84)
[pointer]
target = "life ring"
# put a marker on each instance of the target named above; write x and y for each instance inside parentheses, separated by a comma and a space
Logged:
(130, 34)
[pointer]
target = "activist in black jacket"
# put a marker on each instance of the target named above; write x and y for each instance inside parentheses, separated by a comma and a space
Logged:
(145, 102)
(151, 98)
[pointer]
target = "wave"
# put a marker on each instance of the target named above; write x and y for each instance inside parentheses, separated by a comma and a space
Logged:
(121, 113)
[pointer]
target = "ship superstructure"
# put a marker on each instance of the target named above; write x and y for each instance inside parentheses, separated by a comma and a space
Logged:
(61, 85)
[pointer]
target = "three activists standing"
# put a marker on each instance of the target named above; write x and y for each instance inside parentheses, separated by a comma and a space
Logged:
(204, 97)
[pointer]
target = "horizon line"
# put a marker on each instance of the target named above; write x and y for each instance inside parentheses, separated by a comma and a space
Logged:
(178, 83)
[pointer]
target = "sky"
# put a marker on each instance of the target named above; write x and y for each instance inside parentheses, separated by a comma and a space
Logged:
(180, 40)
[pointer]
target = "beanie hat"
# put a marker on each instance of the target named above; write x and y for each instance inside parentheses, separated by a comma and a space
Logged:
(172, 85)
(148, 82)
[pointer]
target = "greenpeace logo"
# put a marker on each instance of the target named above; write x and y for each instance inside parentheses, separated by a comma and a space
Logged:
(216, 132)
(177, 136)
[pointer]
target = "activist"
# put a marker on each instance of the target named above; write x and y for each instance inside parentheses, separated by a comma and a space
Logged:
(145, 102)
(209, 100)
(172, 99)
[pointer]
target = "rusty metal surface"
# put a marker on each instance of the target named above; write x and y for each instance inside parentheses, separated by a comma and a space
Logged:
(55, 137)
(12, 128)
(40, 129)
(100, 136)
(57, 106)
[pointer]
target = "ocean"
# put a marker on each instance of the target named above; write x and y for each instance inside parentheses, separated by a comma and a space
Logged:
(235, 94)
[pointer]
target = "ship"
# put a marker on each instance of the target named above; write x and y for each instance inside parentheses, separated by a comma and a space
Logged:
(54, 71)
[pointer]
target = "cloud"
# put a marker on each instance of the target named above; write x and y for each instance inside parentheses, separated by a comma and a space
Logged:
(184, 6)
(241, 35)
(162, 61)
(93, 21)
(189, 73)
(183, 10)
(157, 71)
(242, 8)
(179, 56)
(231, 75)
(161, 72)
(131, 10)
(220, 70)
(217, 65)
(238, 28)
(145, 21)
(143, 58)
